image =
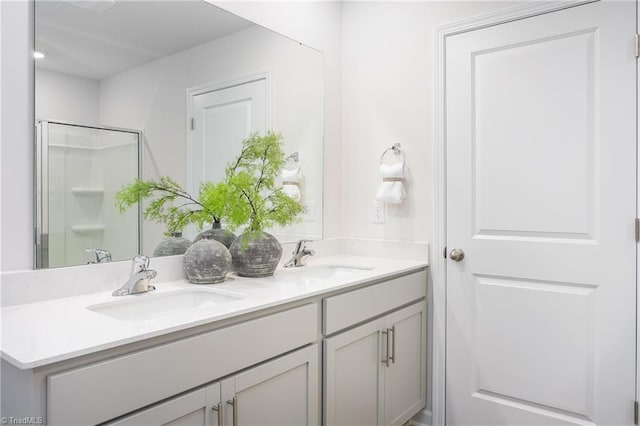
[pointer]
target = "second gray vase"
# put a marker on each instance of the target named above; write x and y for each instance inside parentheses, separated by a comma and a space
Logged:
(218, 234)
(175, 244)
(207, 261)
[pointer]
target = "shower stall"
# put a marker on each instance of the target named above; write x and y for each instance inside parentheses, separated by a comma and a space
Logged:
(78, 171)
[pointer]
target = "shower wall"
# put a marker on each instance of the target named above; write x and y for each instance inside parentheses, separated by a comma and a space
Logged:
(86, 166)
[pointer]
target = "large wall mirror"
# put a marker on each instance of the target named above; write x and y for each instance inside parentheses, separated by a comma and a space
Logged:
(159, 88)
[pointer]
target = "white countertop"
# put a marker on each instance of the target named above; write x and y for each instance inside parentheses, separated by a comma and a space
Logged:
(41, 333)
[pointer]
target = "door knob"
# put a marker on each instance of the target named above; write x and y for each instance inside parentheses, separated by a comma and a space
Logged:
(456, 254)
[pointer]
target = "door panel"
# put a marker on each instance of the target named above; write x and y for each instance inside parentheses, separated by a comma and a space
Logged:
(541, 193)
(405, 387)
(193, 408)
(278, 393)
(354, 383)
(223, 119)
(509, 83)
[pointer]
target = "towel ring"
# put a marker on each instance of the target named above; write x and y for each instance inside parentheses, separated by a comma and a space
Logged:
(397, 150)
(292, 161)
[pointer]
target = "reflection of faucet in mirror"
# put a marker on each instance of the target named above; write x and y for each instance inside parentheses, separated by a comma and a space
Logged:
(102, 255)
(139, 279)
(300, 254)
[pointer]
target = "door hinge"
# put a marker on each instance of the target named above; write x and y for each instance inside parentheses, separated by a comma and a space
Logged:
(444, 252)
(193, 124)
(637, 42)
(636, 409)
(637, 230)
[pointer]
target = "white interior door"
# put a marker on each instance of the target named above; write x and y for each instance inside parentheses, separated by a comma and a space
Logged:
(222, 120)
(541, 171)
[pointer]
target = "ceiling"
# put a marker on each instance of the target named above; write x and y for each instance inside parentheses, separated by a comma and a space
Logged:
(98, 38)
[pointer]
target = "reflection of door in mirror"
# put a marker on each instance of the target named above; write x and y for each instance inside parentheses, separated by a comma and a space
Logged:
(223, 116)
(79, 169)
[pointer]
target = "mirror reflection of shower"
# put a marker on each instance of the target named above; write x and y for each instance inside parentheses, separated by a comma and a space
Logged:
(79, 169)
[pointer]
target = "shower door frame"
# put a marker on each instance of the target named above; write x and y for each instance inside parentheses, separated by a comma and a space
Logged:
(41, 185)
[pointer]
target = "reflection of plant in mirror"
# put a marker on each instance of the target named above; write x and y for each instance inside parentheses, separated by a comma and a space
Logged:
(208, 208)
(252, 176)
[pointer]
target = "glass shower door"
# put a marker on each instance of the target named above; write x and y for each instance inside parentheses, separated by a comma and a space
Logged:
(80, 168)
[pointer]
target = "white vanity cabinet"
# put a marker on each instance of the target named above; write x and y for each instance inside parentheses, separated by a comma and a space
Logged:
(352, 353)
(284, 391)
(375, 373)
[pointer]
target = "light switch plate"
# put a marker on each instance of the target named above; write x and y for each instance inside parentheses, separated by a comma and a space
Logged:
(309, 214)
(378, 212)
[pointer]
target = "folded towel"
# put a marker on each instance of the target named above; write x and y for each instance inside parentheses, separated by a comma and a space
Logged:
(291, 182)
(391, 189)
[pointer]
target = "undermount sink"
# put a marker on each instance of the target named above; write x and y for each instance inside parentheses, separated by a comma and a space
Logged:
(327, 271)
(153, 306)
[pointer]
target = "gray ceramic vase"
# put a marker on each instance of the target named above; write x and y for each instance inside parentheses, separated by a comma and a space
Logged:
(173, 245)
(218, 234)
(207, 261)
(255, 254)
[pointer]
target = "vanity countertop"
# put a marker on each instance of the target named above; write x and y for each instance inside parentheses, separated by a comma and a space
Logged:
(41, 333)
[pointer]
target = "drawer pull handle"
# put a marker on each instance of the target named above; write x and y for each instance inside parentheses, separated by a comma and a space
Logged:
(386, 338)
(218, 409)
(392, 336)
(234, 403)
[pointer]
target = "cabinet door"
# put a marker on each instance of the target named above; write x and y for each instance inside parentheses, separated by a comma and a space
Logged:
(405, 378)
(281, 392)
(352, 376)
(193, 408)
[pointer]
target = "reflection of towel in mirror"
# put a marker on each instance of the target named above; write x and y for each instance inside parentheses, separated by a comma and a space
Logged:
(291, 183)
(391, 189)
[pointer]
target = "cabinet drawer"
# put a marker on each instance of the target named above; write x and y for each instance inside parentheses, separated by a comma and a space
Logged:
(105, 390)
(344, 310)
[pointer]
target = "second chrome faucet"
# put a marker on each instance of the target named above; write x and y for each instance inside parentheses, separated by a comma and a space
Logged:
(300, 253)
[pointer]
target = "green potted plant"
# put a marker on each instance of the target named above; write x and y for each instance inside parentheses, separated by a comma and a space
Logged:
(174, 207)
(258, 203)
(207, 260)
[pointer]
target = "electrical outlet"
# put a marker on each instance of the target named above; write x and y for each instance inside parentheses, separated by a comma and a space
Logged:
(378, 212)
(309, 213)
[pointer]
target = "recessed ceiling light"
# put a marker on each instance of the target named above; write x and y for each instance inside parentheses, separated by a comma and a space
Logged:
(38, 55)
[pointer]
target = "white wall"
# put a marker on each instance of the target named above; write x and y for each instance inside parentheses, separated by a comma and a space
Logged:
(16, 135)
(66, 98)
(388, 71)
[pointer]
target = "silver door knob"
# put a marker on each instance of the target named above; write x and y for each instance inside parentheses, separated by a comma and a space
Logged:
(456, 254)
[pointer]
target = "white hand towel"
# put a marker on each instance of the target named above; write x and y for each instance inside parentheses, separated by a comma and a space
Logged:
(391, 189)
(291, 182)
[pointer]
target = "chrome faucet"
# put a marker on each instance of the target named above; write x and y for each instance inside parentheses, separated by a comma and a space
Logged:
(139, 279)
(299, 254)
(102, 255)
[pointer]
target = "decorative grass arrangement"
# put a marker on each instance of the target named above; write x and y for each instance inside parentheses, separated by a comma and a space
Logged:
(256, 201)
(248, 197)
(172, 205)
